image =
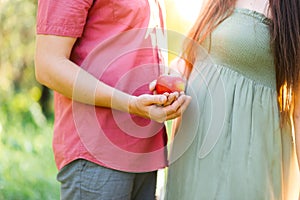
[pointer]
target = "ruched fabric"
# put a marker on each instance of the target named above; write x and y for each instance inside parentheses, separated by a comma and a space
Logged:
(230, 145)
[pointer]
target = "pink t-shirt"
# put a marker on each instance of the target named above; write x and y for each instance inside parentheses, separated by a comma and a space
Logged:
(116, 44)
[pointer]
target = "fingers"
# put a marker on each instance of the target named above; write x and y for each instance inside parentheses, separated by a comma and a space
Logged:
(150, 106)
(152, 86)
(178, 107)
(148, 100)
(183, 107)
(170, 98)
(161, 99)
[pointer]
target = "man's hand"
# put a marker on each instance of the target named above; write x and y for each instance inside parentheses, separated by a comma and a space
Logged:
(150, 106)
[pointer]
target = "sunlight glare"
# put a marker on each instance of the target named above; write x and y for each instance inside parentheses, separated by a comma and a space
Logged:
(188, 9)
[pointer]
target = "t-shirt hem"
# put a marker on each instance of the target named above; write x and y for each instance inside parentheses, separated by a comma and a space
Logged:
(62, 165)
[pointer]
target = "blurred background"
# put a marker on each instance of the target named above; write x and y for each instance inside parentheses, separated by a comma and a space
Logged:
(27, 168)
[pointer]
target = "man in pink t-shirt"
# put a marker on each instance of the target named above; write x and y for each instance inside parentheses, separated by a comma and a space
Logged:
(99, 57)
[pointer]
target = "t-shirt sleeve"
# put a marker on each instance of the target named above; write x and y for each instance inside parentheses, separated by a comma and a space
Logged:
(62, 17)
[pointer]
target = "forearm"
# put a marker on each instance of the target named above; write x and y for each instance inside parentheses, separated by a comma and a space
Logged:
(56, 71)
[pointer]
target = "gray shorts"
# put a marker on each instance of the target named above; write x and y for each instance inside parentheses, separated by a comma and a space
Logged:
(84, 180)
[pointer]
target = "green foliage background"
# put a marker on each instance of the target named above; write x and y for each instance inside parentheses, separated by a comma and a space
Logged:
(27, 168)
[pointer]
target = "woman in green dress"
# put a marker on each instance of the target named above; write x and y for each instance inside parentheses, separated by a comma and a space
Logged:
(238, 138)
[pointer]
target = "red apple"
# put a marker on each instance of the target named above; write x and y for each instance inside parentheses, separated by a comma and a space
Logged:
(169, 83)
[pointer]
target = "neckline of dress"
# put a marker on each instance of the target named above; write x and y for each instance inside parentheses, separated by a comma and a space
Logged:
(262, 17)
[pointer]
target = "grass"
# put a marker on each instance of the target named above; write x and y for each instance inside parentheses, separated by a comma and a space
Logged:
(27, 167)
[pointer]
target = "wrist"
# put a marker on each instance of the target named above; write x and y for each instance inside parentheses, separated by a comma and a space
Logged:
(132, 107)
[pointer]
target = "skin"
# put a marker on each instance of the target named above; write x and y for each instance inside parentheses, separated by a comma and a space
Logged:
(296, 118)
(52, 55)
(257, 5)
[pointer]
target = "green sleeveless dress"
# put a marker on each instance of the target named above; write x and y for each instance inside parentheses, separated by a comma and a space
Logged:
(229, 145)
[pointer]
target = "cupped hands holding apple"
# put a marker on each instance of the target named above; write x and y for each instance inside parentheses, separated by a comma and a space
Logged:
(169, 100)
(170, 84)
